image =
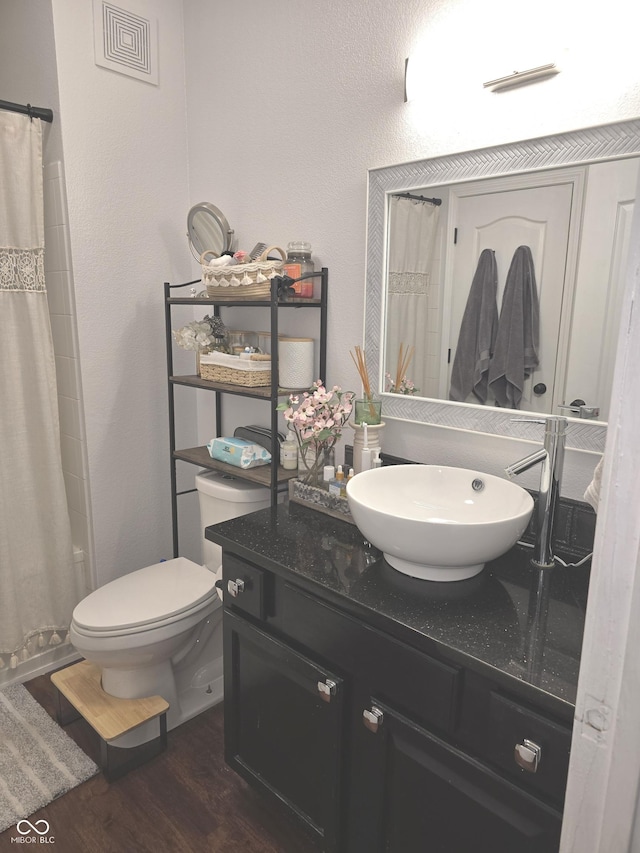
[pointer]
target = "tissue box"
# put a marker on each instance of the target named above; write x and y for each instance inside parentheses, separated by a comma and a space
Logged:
(238, 452)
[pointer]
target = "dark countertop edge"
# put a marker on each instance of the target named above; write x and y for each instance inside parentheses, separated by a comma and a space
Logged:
(519, 688)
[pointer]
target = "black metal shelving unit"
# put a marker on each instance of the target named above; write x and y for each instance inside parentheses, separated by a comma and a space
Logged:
(272, 476)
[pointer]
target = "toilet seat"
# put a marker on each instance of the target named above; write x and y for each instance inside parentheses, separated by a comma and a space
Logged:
(146, 599)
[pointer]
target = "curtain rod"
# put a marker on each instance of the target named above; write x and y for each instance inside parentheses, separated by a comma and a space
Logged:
(436, 201)
(26, 109)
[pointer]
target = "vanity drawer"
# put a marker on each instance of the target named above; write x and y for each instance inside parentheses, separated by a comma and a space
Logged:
(421, 686)
(517, 733)
(246, 588)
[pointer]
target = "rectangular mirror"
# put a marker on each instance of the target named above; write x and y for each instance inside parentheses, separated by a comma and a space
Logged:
(568, 198)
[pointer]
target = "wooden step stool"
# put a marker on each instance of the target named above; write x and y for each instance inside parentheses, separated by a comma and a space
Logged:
(80, 685)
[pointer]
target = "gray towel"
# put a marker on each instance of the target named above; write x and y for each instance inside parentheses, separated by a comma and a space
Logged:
(516, 350)
(478, 332)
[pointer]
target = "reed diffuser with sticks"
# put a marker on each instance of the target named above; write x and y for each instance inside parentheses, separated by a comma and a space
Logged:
(368, 409)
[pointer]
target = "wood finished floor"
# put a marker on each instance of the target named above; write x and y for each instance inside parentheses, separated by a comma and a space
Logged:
(185, 800)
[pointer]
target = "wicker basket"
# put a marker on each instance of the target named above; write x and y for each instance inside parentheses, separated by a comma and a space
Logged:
(232, 370)
(242, 281)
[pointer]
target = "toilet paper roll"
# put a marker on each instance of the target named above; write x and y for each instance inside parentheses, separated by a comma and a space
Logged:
(295, 361)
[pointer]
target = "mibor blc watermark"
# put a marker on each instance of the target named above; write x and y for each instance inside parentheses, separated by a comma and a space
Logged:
(33, 833)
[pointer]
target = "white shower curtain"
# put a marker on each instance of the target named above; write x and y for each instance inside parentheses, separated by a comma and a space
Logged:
(37, 586)
(412, 232)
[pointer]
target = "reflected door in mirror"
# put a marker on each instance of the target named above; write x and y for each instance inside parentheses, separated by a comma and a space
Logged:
(537, 217)
(576, 221)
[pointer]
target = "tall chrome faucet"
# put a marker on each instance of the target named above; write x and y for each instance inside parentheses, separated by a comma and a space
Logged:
(551, 457)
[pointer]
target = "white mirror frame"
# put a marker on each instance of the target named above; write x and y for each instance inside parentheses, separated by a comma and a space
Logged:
(605, 142)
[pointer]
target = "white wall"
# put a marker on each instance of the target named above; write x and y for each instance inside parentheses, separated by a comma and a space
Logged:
(286, 118)
(126, 166)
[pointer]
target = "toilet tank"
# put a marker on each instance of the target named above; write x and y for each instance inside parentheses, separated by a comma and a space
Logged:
(222, 497)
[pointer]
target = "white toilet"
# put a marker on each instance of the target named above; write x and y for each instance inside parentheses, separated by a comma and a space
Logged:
(158, 630)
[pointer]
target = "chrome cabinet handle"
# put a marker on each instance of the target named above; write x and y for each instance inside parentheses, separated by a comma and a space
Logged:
(327, 689)
(372, 719)
(235, 587)
(528, 755)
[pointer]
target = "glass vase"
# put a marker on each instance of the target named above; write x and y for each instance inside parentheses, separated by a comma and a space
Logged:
(368, 410)
(312, 458)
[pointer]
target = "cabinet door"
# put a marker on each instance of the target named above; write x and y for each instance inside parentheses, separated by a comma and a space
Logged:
(283, 725)
(428, 797)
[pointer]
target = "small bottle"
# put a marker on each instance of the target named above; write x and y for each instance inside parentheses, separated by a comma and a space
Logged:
(351, 474)
(376, 462)
(337, 486)
(298, 263)
(289, 452)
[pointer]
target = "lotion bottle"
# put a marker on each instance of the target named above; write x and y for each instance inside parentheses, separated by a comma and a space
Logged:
(289, 452)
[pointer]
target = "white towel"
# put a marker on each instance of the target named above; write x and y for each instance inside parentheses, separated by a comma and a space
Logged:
(223, 261)
(592, 494)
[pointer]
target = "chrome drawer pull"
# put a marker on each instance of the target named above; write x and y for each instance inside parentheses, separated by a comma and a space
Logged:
(372, 719)
(235, 587)
(327, 689)
(528, 755)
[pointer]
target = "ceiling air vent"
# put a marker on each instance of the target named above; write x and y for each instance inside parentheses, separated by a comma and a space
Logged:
(125, 42)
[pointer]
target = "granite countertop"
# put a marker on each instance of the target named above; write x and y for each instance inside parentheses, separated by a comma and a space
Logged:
(521, 626)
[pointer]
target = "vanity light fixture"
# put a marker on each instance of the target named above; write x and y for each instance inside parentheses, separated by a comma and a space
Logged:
(417, 74)
(407, 95)
(519, 78)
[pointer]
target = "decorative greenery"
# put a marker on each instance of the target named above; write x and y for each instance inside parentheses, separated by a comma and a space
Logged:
(317, 422)
(201, 335)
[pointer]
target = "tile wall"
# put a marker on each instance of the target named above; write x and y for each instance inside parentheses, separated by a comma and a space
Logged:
(60, 289)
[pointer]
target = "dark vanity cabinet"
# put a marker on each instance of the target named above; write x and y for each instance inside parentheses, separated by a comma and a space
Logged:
(430, 795)
(284, 725)
(374, 743)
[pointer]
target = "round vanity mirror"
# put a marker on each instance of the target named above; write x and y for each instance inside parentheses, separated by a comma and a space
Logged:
(208, 230)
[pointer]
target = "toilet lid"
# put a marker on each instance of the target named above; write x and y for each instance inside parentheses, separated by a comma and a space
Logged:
(148, 595)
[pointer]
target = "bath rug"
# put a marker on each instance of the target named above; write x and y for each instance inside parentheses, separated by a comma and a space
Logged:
(38, 760)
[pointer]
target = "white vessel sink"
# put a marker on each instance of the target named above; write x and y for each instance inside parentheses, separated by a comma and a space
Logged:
(438, 523)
